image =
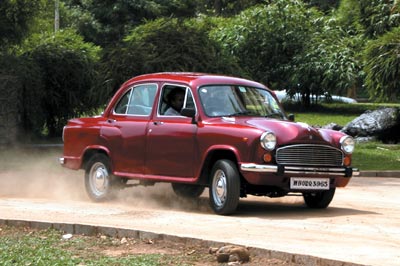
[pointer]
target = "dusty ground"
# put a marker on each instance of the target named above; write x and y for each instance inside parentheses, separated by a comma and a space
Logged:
(34, 174)
(362, 225)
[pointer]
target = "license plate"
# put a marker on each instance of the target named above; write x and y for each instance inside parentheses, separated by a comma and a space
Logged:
(309, 183)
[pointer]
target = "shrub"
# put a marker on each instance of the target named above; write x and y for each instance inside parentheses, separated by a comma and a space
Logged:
(67, 81)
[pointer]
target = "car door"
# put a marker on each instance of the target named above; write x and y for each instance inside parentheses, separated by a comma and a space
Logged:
(127, 128)
(171, 139)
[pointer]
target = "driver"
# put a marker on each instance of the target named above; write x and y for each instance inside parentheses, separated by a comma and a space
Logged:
(175, 101)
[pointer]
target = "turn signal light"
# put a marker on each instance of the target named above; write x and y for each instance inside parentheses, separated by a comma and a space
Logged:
(347, 161)
(267, 157)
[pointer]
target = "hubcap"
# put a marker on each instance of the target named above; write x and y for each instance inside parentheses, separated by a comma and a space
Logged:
(99, 178)
(219, 188)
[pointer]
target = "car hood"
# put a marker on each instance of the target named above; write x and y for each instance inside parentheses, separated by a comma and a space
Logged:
(293, 132)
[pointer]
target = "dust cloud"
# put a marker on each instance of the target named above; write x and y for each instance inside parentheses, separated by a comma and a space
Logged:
(36, 173)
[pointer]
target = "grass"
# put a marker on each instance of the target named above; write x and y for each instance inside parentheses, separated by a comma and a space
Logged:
(321, 119)
(377, 156)
(47, 247)
(22, 246)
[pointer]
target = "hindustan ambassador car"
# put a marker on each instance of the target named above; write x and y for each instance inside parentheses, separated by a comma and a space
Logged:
(199, 131)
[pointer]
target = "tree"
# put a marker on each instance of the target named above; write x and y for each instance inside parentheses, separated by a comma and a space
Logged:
(106, 22)
(379, 16)
(225, 8)
(328, 64)
(166, 45)
(16, 17)
(265, 39)
(382, 66)
(324, 5)
(68, 80)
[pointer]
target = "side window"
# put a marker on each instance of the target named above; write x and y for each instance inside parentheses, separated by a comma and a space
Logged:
(174, 98)
(122, 105)
(137, 101)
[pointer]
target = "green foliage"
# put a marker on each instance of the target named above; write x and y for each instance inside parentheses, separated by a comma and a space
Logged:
(379, 16)
(167, 45)
(329, 63)
(382, 66)
(225, 8)
(107, 22)
(266, 38)
(349, 14)
(68, 79)
(15, 19)
(324, 5)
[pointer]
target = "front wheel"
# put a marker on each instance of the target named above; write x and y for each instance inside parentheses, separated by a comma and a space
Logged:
(224, 187)
(319, 200)
(99, 182)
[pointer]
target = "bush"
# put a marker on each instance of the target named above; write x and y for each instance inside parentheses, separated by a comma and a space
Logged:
(166, 45)
(65, 87)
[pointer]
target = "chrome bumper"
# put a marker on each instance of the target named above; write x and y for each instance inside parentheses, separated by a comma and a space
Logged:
(281, 170)
(61, 160)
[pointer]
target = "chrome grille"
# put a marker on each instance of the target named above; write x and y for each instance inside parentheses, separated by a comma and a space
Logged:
(305, 154)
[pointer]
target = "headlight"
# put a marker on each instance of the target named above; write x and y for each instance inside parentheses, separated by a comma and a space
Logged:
(268, 141)
(347, 143)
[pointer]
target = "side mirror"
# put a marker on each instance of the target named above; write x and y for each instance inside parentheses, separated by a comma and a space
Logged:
(291, 117)
(189, 112)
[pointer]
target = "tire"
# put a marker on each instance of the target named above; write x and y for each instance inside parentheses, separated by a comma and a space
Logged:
(319, 200)
(100, 184)
(224, 187)
(187, 191)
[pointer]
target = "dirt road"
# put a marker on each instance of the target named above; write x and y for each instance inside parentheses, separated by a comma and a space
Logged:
(362, 224)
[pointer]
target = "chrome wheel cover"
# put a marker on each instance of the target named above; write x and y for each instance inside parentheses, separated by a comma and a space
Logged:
(99, 179)
(219, 188)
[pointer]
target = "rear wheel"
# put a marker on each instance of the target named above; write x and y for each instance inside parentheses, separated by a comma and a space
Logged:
(187, 191)
(100, 184)
(224, 187)
(319, 200)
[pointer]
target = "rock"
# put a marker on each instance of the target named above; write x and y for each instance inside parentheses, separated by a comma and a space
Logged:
(383, 124)
(231, 254)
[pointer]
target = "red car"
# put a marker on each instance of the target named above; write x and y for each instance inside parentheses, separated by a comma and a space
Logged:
(198, 130)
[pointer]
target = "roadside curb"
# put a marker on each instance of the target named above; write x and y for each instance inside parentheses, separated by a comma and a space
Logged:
(392, 173)
(93, 230)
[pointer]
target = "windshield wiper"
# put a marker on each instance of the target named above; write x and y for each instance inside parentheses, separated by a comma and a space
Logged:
(276, 114)
(239, 113)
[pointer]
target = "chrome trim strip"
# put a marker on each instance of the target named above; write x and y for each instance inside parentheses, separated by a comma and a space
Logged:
(261, 168)
(252, 167)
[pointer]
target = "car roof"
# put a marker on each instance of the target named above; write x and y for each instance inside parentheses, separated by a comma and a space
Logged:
(194, 79)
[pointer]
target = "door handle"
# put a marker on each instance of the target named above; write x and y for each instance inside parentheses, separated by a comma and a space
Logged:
(111, 120)
(158, 123)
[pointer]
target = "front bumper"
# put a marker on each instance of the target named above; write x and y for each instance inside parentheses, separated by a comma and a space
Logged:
(299, 170)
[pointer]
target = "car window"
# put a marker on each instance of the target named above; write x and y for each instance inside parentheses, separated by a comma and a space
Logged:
(227, 100)
(137, 100)
(174, 98)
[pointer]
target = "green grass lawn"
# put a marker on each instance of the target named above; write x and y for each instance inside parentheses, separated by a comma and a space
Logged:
(376, 156)
(322, 119)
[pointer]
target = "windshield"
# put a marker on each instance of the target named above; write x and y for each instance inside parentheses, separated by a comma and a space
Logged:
(227, 100)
